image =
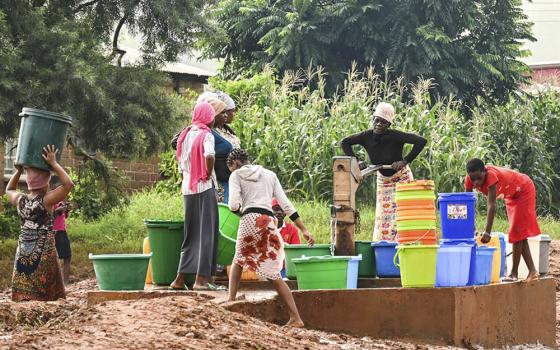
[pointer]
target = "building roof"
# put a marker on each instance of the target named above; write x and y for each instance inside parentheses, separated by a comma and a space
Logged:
(545, 14)
(187, 63)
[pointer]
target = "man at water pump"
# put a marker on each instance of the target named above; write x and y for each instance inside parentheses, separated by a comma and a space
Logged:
(384, 146)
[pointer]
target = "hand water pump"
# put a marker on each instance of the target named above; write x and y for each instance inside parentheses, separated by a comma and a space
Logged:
(347, 177)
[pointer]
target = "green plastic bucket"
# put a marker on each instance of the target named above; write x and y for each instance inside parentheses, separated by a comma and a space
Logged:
(38, 129)
(417, 264)
(229, 223)
(226, 250)
(298, 250)
(166, 239)
(120, 271)
(414, 195)
(327, 272)
(409, 225)
(367, 265)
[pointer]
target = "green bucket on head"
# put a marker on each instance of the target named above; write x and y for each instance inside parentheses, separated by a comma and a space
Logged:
(417, 264)
(367, 265)
(229, 223)
(166, 238)
(38, 129)
(298, 250)
(120, 271)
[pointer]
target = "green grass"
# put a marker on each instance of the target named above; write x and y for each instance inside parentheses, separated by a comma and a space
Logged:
(123, 231)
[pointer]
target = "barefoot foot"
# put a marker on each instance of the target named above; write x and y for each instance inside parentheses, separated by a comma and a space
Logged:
(534, 276)
(295, 324)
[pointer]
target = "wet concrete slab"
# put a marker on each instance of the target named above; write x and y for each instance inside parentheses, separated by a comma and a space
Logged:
(249, 290)
(490, 316)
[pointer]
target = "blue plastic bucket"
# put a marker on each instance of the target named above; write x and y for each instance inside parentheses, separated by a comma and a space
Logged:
(467, 242)
(503, 251)
(483, 266)
(384, 254)
(457, 211)
(453, 265)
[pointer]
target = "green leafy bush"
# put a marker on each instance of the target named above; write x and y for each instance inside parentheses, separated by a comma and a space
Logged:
(98, 189)
(170, 172)
(9, 219)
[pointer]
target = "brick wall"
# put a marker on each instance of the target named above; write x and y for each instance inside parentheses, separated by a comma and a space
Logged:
(548, 75)
(142, 173)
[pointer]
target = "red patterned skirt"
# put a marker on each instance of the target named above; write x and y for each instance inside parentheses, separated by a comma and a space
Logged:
(259, 246)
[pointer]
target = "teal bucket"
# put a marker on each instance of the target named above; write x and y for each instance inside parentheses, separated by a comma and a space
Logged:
(120, 271)
(38, 129)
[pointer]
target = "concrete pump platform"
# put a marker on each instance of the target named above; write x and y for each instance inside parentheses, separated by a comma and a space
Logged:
(491, 316)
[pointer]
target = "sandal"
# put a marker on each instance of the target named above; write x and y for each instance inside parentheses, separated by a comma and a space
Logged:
(176, 289)
(210, 287)
(510, 279)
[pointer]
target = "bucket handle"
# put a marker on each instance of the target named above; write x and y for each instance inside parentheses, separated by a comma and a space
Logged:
(419, 239)
(397, 264)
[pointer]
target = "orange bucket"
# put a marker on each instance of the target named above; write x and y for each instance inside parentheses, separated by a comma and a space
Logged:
(426, 183)
(415, 188)
(425, 203)
(423, 241)
(246, 275)
(416, 211)
(425, 237)
(416, 216)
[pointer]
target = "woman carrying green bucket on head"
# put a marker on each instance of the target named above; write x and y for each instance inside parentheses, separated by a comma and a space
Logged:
(36, 273)
(385, 147)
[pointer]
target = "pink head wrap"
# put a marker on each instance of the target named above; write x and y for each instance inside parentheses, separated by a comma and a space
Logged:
(203, 114)
(37, 178)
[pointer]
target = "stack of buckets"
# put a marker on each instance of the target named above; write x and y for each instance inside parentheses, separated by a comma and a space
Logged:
(416, 234)
(460, 260)
(416, 213)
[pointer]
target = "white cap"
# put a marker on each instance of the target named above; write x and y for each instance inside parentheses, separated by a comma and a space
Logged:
(385, 111)
(222, 96)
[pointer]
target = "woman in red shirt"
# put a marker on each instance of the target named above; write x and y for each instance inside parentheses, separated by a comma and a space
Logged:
(289, 232)
(519, 193)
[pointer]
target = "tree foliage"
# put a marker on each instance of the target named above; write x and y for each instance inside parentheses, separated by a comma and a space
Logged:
(55, 55)
(468, 48)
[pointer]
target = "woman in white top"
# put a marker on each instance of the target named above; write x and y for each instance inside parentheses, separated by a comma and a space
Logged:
(259, 244)
(196, 155)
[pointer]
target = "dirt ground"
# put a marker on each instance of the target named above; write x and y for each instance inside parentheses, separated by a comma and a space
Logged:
(177, 322)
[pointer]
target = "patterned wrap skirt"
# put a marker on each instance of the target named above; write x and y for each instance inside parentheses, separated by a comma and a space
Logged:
(259, 246)
(386, 207)
(36, 274)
